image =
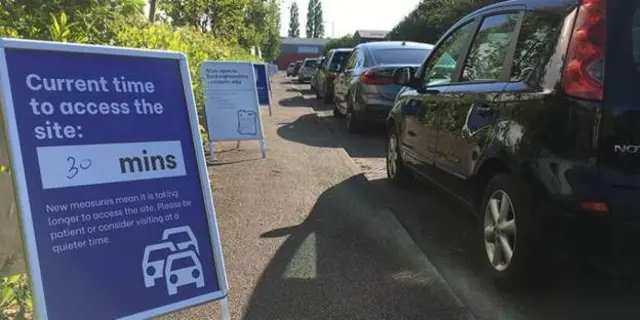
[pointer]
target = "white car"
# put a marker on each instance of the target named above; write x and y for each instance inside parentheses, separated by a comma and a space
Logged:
(178, 275)
(153, 262)
(183, 237)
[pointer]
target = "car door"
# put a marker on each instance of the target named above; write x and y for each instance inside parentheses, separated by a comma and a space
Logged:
(341, 83)
(422, 107)
(469, 108)
(322, 74)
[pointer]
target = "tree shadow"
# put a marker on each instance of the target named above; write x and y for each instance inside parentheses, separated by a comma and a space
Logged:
(344, 262)
(298, 101)
(309, 130)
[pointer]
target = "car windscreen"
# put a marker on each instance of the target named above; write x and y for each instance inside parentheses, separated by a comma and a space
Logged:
(159, 254)
(340, 57)
(182, 263)
(400, 56)
(310, 63)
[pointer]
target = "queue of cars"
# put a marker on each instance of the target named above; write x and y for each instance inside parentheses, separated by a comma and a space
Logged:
(510, 112)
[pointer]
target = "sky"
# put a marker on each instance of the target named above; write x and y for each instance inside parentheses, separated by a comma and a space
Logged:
(347, 16)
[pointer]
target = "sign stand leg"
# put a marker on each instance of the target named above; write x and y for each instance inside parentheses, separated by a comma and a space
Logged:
(225, 313)
(213, 154)
(263, 147)
(238, 144)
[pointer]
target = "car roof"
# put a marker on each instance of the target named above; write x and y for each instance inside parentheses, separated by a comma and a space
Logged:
(395, 44)
(530, 4)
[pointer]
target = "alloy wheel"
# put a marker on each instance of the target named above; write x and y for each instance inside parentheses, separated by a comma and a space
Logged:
(499, 230)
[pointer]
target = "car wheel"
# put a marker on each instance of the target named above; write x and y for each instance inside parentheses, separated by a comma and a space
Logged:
(336, 111)
(397, 173)
(507, 232)
(326, 97)
(352, 122)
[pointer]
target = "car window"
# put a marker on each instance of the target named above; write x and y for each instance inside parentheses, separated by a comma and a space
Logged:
(490, 47)
(352, 60)
(340, 57)
(536, 43)
(310, 63)
(182, 263)
(359, 60)
(635, 34)
(441, 67)
(400, 55)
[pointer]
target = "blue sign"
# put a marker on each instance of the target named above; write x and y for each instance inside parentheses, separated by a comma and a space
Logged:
(113, 191)
(262, 83)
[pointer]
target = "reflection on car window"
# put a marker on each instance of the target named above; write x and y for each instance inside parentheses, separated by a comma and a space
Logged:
(444, 60)
(490, 48)
(636, 37)
(536, 43)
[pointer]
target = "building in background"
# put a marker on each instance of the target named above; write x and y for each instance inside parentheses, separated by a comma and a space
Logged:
(294, 49)
(362, 36)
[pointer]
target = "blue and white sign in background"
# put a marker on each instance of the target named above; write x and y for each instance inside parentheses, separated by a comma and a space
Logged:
(231, 102)
(262, 83)
(112, 185)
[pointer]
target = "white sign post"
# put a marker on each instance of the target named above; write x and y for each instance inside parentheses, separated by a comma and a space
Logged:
(231, 103)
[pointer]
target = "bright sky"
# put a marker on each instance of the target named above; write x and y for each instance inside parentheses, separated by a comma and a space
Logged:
(347, 16)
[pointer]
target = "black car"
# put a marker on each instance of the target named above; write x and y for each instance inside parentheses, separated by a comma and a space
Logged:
(514, 115)
(364, 91)
(328, 71)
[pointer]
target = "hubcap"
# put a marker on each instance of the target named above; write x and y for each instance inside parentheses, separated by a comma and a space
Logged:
(392, 156)
(499, 230)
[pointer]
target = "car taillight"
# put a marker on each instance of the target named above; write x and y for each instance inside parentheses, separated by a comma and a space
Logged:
(374, 78)
(584, 71)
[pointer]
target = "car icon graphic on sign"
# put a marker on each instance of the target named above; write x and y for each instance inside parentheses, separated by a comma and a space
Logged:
(153, 261)
(183, 268)
(183, 237)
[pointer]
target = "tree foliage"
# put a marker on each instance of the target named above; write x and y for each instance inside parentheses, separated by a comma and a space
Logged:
(431, 18)
(318, 28)
(122, 23)
(246, 22)
(347, 41)
(294, 21)
(315, 21)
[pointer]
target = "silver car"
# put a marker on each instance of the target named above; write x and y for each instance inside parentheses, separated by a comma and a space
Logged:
(307, 69)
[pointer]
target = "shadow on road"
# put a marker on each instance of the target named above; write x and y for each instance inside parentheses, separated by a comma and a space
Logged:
(338, 264)
(308, 130)
(449, 235)
(298, 101)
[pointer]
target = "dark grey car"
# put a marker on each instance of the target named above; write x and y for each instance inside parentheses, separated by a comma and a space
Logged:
(364, 90)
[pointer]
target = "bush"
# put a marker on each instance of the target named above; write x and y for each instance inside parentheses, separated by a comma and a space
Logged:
(15, 297)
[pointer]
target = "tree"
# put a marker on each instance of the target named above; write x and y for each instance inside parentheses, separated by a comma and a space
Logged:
(294, 23)
(311, 17)
(431, 18)
(96, 21)
(318, 28)
(315, 23)
(271, 45)
(347, 41)
(152, 10)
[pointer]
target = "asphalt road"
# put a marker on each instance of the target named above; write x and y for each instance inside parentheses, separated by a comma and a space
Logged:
(449, 237)
(304, 236)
